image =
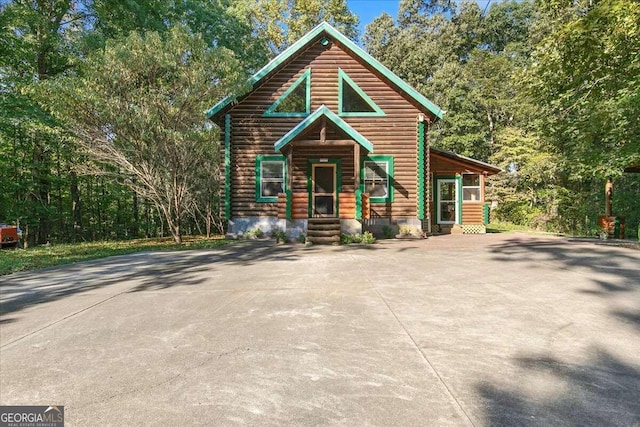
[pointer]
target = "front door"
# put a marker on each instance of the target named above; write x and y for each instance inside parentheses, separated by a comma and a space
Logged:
(447, 201)
(323, 189)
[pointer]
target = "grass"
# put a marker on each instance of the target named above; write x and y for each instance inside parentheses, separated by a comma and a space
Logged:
(505, 227)
(14, 260)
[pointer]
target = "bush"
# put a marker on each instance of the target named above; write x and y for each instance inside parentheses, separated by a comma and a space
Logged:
(407, 230)
(388, 232)
(346, 239)
(254, 233)
(280, 236)
(366, 238)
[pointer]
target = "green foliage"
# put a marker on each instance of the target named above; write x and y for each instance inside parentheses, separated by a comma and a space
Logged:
(407, 230)
(45, 180)
(586, 79)
(12, 261)
(254, 233)
(280, 236)
(136, 109)
(388, 232)
(366, 238)
(548, 91)
(280, 23)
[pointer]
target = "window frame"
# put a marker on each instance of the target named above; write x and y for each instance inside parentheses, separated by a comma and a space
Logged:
(479, 187)
(390, 187)
(259, 180)
(344, 78)
(305, 77)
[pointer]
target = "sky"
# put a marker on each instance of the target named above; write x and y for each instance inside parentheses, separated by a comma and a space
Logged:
(368, 10)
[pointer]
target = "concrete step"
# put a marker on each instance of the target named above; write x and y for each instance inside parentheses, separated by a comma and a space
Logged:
(324, 226)
(323, 230)
(323, 240)
(323, 233)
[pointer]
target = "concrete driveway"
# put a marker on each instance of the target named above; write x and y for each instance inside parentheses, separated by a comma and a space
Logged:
(503, 329)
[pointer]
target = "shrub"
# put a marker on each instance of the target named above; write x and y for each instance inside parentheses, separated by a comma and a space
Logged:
(407, 230)
(280, 236)
(346, 239)
(366, 238)
(254, 233)
(388, 232)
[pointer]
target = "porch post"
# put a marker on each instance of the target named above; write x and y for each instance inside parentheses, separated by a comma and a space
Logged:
(289, 168)
(356, 180)
(287, 190)
(356, 166)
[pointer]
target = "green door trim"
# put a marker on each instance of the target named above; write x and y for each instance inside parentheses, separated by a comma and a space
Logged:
(310, 164)
(436, 197)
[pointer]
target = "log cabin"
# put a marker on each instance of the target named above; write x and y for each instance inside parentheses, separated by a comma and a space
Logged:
(329, 140)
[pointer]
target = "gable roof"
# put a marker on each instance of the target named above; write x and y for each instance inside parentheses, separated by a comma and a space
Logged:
(465, 159)
(323, 111)
(306, 40)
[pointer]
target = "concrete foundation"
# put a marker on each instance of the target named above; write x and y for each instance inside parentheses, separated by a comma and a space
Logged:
(294, 228)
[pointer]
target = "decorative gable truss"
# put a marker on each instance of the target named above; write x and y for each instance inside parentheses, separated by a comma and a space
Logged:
(329, 32)
(295, 101)
(353, 101)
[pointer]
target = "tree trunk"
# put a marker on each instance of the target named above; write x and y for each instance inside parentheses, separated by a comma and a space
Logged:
(76, 213)
(133, 229)
(608, 197)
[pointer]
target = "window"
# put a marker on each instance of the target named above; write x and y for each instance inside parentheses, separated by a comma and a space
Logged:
(377, 174)
(295, 101)
(352, 100)
(270, 178)
(471, 187)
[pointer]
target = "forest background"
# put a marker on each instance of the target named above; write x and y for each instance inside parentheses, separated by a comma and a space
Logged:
(103, 134)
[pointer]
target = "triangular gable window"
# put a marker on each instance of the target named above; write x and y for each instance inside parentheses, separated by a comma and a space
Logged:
(352, 100)
(295, 101)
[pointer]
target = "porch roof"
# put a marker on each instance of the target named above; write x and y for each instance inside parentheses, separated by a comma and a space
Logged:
(466, 160)
(310, 120)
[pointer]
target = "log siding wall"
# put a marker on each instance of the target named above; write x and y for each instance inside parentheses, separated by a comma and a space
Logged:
(393, 135)
(472, 212)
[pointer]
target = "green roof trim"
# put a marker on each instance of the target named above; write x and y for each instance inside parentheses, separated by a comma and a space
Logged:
(343, 78)
(323, 111)
(324, 27)
(461, 158)
(305, 77)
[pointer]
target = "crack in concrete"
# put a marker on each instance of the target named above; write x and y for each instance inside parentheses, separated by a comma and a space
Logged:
(415, 344)
(61, 320)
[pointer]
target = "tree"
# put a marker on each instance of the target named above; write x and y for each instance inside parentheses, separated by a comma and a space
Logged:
(222, 23)
(586, 78)
(280, 23)
(137, 111)
(36, 46)
(45, 190)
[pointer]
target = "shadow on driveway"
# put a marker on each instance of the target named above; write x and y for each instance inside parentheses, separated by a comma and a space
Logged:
(152, 271)
(603, 390)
